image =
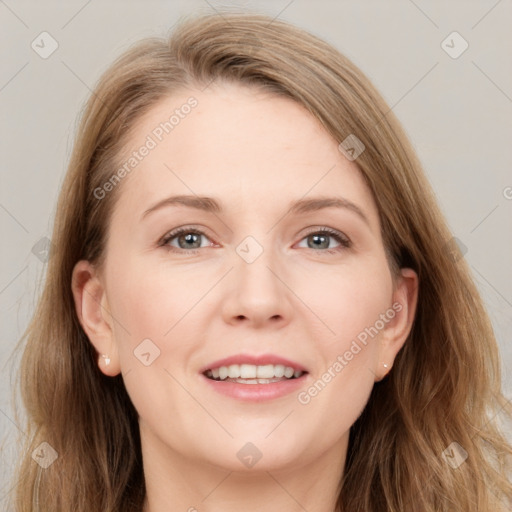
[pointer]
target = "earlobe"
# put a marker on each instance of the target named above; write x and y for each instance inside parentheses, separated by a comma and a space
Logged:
(405, 298)
(93, 313)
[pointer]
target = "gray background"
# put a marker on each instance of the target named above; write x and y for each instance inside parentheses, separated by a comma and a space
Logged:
(457, 112)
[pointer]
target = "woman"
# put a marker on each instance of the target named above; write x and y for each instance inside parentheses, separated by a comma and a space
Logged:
(253, 301)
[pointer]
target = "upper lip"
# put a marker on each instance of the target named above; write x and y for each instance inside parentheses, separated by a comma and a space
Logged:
(258, 360)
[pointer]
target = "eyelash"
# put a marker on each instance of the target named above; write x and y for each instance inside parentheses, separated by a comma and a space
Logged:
(344, 242)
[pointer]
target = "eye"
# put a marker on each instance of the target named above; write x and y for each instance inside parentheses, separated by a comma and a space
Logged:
(184, 239)
(321, 239)
(189, 240)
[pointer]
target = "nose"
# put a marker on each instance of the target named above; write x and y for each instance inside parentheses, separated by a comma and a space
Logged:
(257, 294)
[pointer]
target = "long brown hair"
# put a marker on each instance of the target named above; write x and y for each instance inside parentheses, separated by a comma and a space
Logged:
(445, 385)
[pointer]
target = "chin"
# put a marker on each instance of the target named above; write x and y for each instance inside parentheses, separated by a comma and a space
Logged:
(246, 456)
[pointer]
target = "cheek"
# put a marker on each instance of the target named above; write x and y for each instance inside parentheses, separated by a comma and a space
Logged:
(150, 298)
(157, 338)
(334, 400)
(349, 300)
(352, 304)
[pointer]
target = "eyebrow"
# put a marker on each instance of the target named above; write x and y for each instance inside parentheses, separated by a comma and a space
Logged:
(208, 204)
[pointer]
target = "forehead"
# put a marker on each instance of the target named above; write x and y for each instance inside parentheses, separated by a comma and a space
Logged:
(245, 146)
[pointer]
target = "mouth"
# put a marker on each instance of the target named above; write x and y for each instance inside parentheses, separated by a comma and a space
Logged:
(254, 378)
(254, 374)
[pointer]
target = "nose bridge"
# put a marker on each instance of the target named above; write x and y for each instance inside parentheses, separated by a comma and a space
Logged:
(257, 294)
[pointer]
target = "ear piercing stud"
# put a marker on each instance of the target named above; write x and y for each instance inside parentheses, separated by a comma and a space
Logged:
(385, 365)
(107, 359)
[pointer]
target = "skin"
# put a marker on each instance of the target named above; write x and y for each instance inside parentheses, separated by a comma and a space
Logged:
(255, 153)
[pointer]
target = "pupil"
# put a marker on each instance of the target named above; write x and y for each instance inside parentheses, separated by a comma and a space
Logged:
(318, 238)
(190, 237)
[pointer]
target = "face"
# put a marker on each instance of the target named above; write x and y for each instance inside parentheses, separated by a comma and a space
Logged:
(261, 276)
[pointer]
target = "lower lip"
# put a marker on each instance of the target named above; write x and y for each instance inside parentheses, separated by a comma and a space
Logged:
(256, 392)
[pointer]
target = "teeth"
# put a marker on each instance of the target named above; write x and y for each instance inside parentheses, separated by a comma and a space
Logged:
(255, 381)
(252, 374)
(279, 370)
(248, 371)
(234, 371)
(223, 372)
(265, 372)
(288, 372)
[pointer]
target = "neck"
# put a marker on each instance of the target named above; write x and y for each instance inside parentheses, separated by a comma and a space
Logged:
(177, 483)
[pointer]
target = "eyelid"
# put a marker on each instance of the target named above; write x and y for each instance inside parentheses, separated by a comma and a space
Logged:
(327, 230)
(173, 233)
(341, 238)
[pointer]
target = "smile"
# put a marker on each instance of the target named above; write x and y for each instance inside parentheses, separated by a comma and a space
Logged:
(253, 374)
(254, 378)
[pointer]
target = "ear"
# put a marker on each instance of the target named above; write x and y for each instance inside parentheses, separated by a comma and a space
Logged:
(393, 337)
(94, 315)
